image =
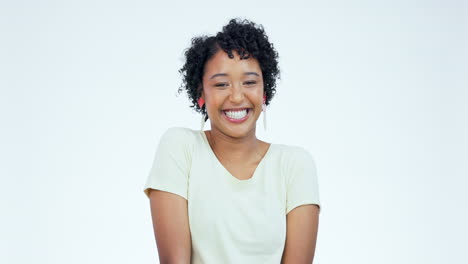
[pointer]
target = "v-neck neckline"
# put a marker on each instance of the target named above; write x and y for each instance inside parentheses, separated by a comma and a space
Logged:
(229, 174)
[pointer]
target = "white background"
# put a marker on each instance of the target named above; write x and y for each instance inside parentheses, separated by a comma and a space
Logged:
(375, 90)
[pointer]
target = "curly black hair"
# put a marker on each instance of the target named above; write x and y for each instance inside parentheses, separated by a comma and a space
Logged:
(243, 36)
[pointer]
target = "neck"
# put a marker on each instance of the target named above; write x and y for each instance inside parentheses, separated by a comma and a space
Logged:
(234, 148)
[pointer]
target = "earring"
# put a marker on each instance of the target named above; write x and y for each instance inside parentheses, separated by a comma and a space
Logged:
(202, 122)
(201, 102)
(264, 113)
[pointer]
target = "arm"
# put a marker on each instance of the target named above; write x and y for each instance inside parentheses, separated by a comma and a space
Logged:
(171, 227)
(301, 235)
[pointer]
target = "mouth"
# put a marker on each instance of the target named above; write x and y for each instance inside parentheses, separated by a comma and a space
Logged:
(238, 115)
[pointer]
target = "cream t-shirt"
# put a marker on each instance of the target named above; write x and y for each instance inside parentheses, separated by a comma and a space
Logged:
(232, 220)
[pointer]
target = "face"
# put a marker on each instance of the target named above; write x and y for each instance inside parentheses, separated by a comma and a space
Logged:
(233, 93)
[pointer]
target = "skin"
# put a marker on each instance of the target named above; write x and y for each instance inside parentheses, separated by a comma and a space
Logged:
(235, 145)
(238, 149)
(301, 234)
(171, 227)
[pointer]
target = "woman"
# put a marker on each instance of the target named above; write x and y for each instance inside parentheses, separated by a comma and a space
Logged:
(224, 196)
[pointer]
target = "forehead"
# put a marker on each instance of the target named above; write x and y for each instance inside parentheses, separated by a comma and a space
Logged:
(221, 63)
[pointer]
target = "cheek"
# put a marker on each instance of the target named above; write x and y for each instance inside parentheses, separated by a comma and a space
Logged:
(213, 103)
(256, 96)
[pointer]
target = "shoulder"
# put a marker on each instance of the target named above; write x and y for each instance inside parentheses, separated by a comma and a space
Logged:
(179, 134)
(293, 157)
(178, 137)
(294, 153)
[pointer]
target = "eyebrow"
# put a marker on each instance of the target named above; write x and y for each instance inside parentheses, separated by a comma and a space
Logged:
(225, 74)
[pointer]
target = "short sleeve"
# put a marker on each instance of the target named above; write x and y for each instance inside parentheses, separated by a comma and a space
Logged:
(302, 184)
(171, 163)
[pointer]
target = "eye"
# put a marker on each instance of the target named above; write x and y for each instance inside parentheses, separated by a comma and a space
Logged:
(250, 82)
(221, 84)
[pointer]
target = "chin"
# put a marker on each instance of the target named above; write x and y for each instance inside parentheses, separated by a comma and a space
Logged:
(239, 131)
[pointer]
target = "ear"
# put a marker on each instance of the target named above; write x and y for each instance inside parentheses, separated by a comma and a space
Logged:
(200, 88)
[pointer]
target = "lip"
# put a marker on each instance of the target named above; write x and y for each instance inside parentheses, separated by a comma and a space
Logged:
(237, 121)
(236, 109)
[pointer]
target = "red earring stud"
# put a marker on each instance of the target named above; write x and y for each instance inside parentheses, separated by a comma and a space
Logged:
(201, 102)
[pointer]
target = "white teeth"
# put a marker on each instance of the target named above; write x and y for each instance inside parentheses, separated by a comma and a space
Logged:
(236, 114)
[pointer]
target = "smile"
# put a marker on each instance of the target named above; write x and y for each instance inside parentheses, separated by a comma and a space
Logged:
(237, 116)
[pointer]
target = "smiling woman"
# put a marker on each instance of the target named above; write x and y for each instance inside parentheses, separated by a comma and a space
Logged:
(233, 93)
(223, 195)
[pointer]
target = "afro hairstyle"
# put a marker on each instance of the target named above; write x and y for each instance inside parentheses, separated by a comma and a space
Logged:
(243, 36)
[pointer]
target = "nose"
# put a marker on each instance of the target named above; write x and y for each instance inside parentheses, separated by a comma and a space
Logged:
(237, 94)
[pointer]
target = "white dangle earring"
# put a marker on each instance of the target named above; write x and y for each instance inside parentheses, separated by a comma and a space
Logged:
(201, 103)
(202, 122)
